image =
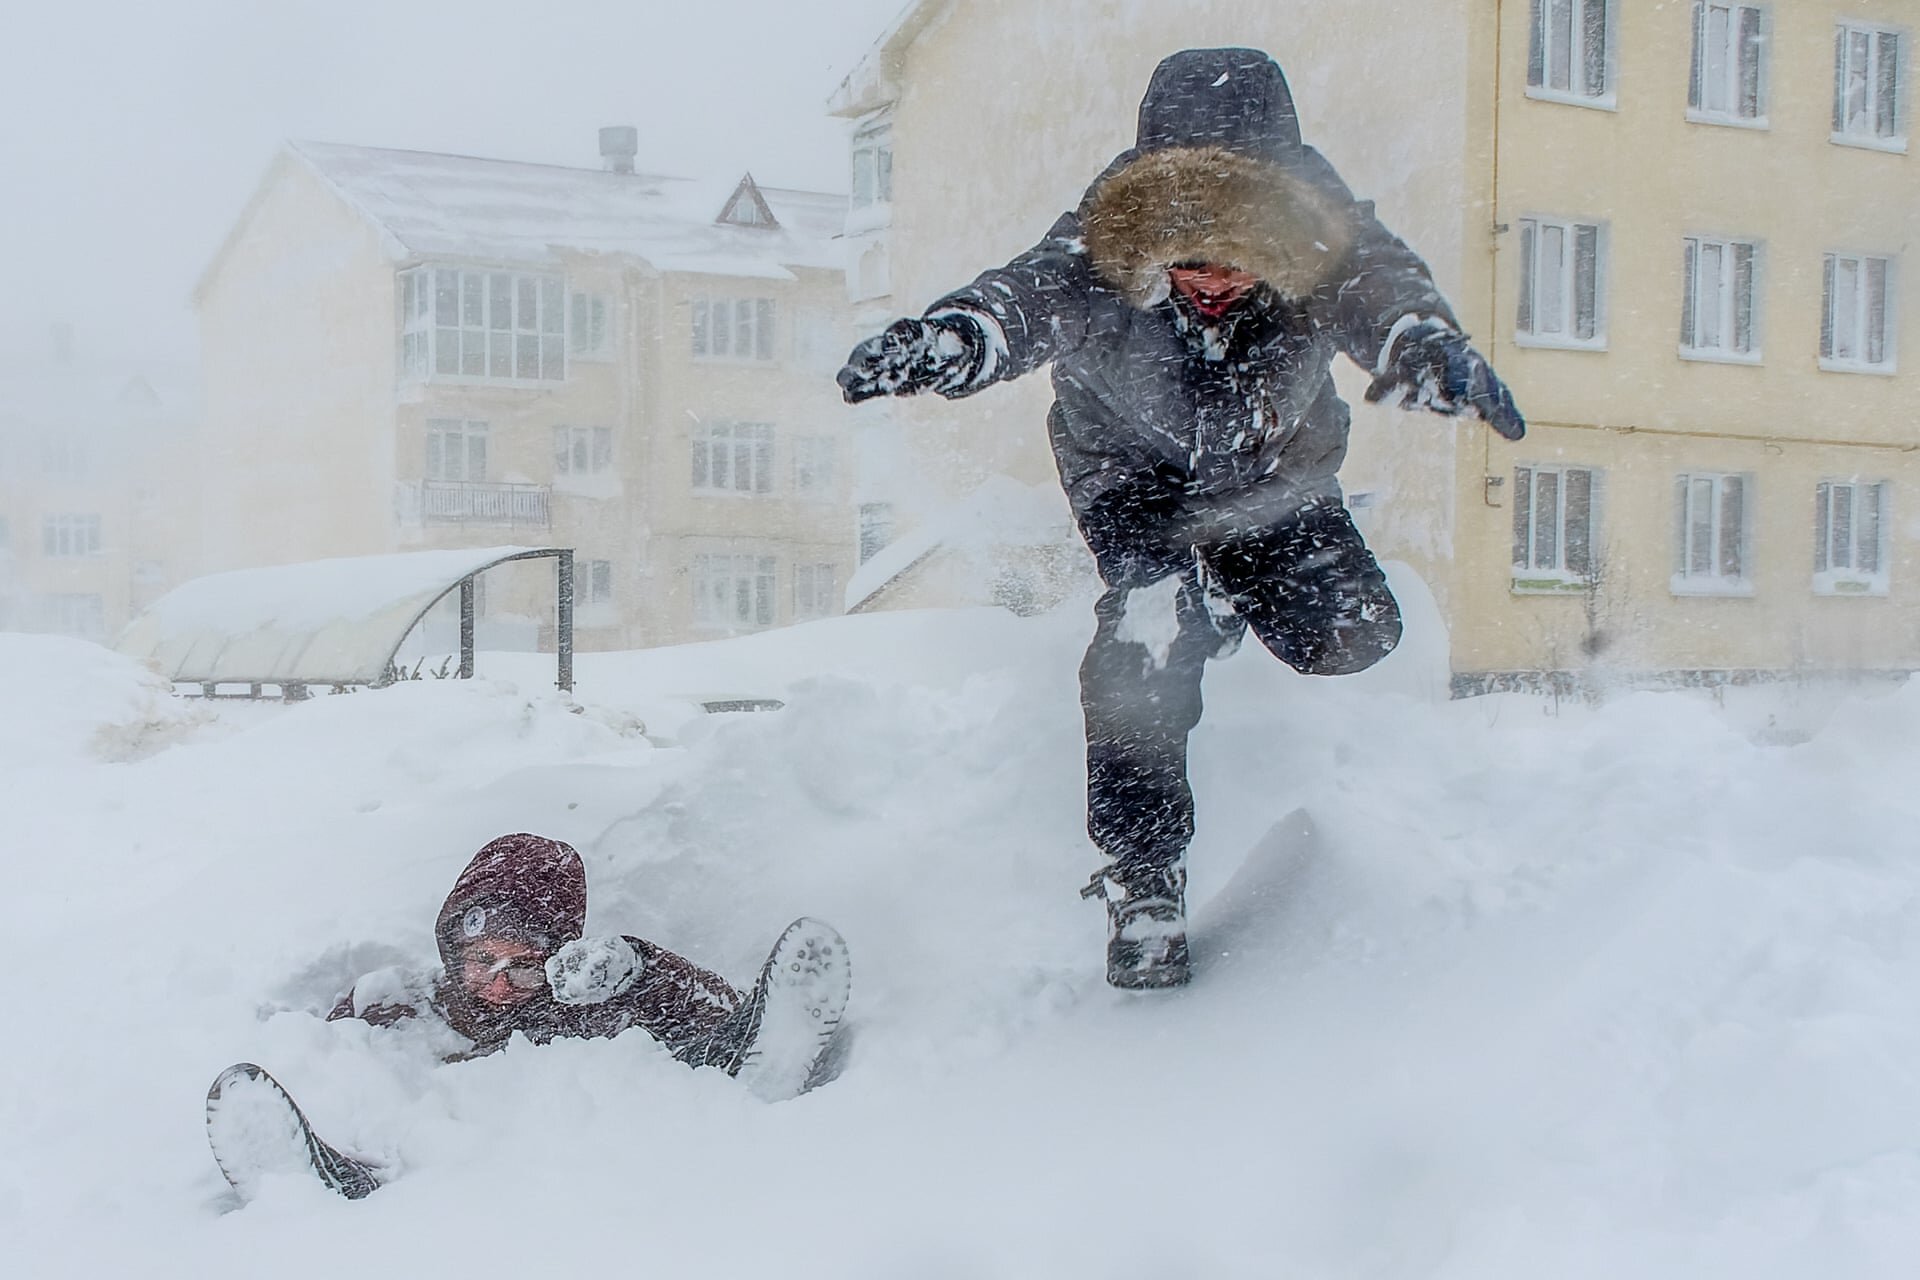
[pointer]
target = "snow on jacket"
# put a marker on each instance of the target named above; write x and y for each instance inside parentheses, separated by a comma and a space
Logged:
(534, 890)
(1150, 396)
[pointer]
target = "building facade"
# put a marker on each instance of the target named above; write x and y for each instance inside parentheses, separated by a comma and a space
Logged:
(1676, 229)
(406, 350)
(97, 494)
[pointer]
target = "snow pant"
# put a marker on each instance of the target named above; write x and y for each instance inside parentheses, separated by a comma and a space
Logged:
(1305, 584)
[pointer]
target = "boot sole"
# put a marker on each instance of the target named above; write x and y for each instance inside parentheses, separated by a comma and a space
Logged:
(257, 1132)
(807, 979)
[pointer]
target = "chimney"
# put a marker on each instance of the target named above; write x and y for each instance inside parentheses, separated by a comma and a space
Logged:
(619, 144)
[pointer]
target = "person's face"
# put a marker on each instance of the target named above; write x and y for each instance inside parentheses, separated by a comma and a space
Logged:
(502, 972)
(1212, 290)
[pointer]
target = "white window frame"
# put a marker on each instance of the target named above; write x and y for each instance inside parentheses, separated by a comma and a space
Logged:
(1542, 559)
(816, 591)
(871, 155)
(1877, 102)
(589, 326)
(816, 467)
(732, 459)
(1712, 308)
(1847, 309)
(74, 613)
(1713, 551)
(69, 536)
(1549, 291)
(1850, 540)
(598, 577)
(448, 438)
(482, 325)
(1547, 62)
(1726, 60)
(582, 453)
(733, 590)
(724, 327)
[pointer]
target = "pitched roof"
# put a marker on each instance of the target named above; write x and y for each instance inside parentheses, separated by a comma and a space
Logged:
(443, 206)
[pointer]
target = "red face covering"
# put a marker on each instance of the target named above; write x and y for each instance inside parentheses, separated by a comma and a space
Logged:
(1212, 290)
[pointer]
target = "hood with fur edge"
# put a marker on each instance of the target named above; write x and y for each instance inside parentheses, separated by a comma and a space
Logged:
(1195, 204)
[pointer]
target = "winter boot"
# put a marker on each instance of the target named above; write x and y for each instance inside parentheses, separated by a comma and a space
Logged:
(1146, 925)
(256, 1131)
(780, 1042)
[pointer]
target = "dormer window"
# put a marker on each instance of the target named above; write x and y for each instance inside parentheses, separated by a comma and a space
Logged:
(746, 207)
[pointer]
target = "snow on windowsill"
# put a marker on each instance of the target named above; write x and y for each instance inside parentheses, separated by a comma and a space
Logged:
(1893, 146)
(877, 216)
(1606, 102)
(1548, 343)
(1738, 588)
(1830, 365)
(1697, 116)
(1714, 355)
(1844, 582)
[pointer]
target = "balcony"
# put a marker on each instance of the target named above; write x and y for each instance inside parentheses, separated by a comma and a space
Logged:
(526, 506)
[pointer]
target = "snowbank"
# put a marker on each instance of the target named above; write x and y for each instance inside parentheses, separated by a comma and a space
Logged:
(64, 700)
(1490, 989)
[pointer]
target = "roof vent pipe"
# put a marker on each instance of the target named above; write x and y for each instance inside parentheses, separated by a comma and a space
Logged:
(619, 144)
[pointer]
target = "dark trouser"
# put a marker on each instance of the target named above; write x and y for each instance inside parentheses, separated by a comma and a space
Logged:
(1307, 587)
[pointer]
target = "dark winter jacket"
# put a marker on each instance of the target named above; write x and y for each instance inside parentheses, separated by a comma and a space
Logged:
(1158, 409)
(534, 890)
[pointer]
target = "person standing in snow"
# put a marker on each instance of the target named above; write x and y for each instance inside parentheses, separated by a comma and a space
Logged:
(1191, 307)
(515, 961)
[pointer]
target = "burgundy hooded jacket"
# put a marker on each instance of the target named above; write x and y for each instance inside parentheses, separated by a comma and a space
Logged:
(530, 889)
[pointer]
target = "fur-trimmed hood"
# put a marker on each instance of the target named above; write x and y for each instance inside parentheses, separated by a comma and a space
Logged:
(1207, 204)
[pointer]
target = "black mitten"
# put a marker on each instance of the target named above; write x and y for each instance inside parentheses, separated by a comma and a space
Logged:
(940, 353)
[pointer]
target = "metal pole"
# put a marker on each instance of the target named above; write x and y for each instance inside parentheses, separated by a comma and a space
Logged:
(563, 602)
(466, 627)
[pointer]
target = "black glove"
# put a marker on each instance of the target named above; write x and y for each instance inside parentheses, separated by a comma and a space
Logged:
(939, 353)
(1432, 366)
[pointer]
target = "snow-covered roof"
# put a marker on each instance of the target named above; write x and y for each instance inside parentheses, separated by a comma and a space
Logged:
(873, 82)
(319, 622)
(429, 205)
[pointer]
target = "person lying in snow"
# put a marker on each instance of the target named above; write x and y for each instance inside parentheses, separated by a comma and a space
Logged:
(1191, 307)
(514, 961)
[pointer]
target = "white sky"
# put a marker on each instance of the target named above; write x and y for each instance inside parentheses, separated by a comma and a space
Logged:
(132, 132)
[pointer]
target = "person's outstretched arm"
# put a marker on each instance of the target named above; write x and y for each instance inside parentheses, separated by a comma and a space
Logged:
(1009, 321)
(1391, 319)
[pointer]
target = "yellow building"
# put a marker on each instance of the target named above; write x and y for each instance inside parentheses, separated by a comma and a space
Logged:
(96, 493)
(407, 350)
(1675, 228)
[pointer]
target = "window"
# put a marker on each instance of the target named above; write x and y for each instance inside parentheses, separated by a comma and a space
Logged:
(876, 528)
(499, 325)
(733, 591)
(1856, 326)
(1553, 528)
(456, 450)
(813, 466)
(587, 334)
(873, 163)
(1717, 301)
(733, 328)
(1849, 523)
(1727, 81)
(64, 456)
(1710, 542)
(815, 588)
(70, 535)
(1562, 268)
(1867, 84)
(74, 615)
(733, 457)
(1569, 51)
(582, 451)
(599, 582)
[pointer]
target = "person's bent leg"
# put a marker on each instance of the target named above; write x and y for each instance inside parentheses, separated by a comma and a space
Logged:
(1311, 590)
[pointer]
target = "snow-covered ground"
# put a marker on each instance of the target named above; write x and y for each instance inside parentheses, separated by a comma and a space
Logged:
(1491, 989)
